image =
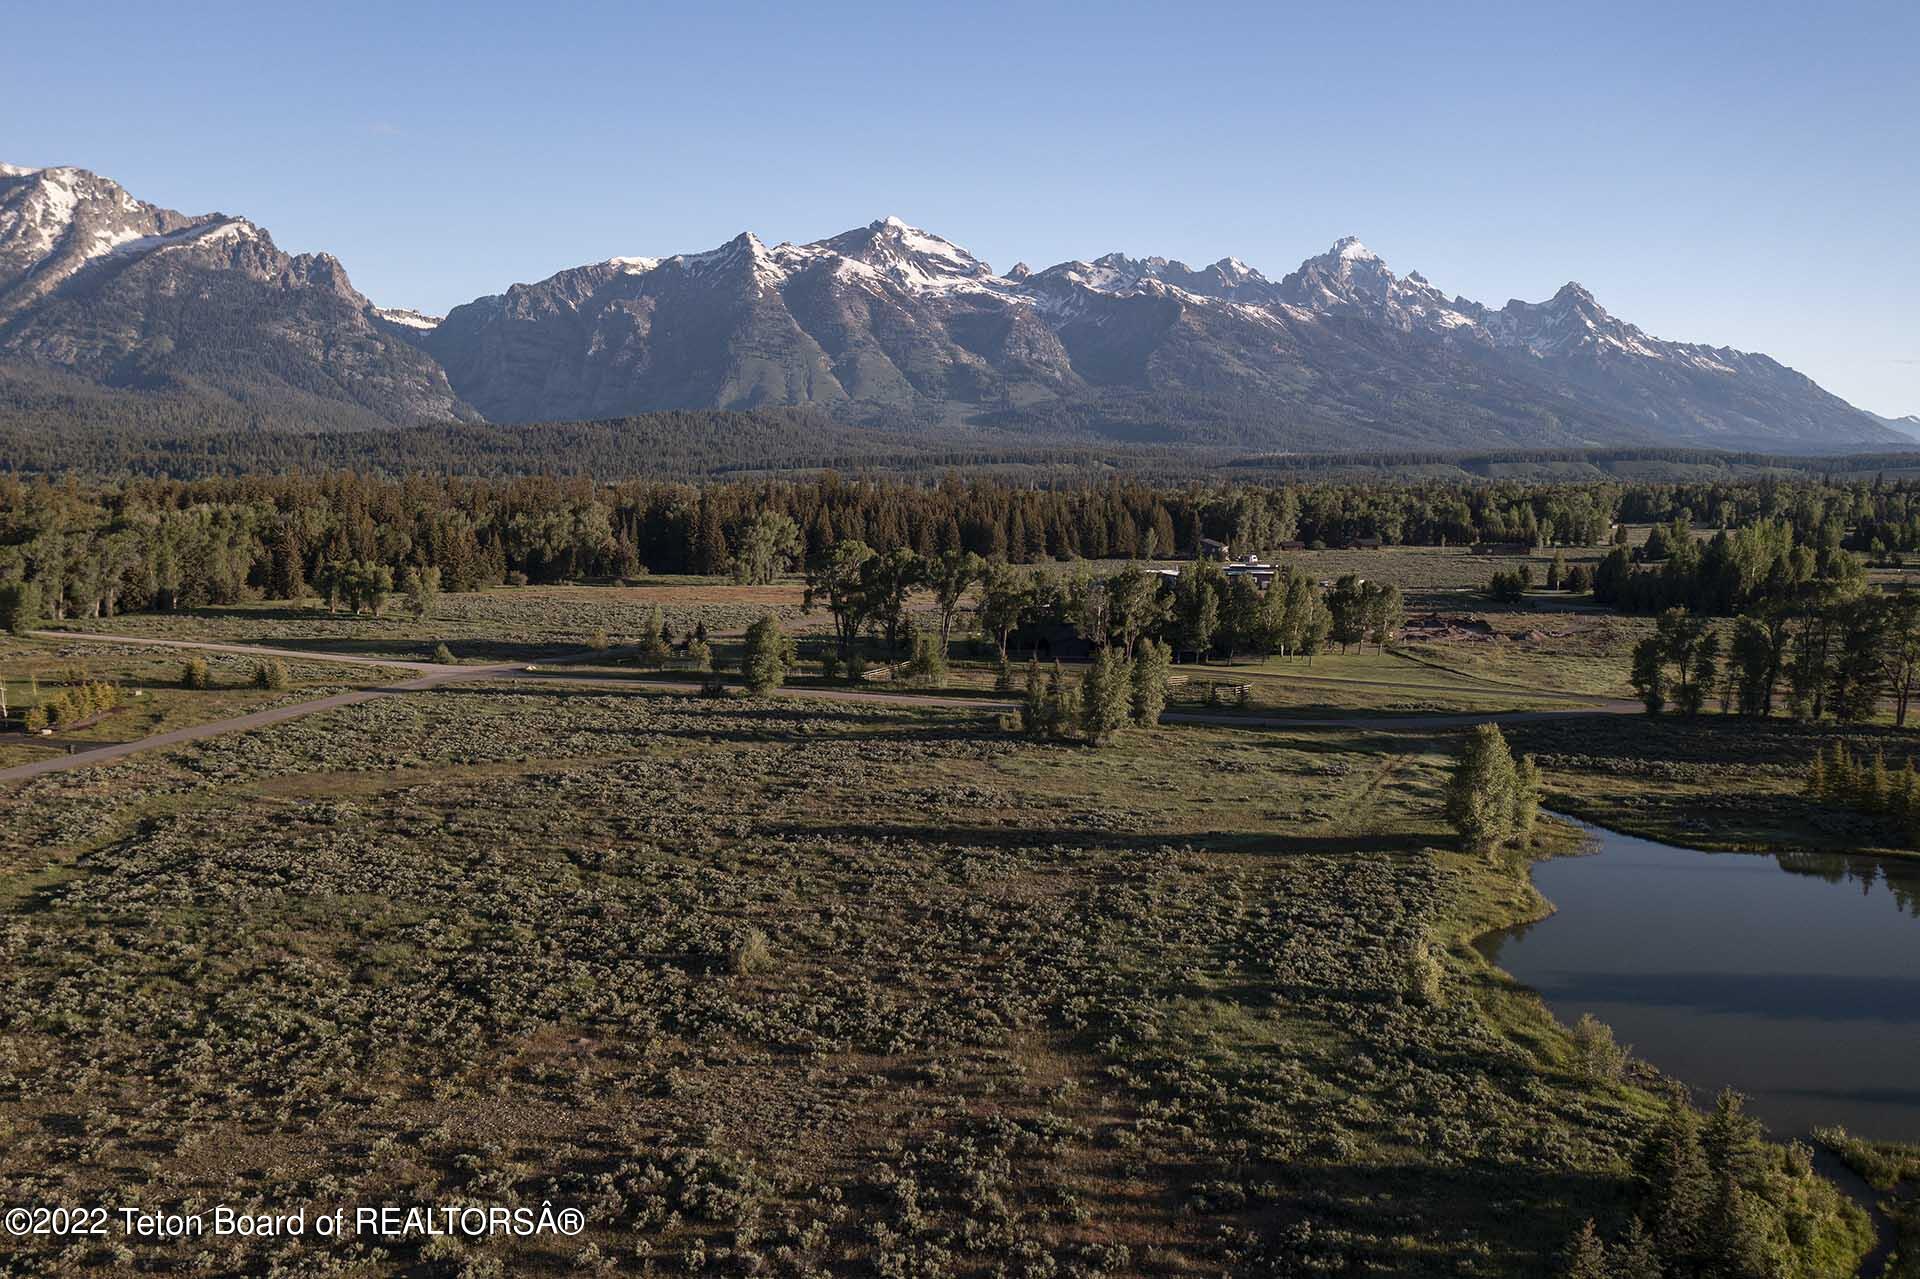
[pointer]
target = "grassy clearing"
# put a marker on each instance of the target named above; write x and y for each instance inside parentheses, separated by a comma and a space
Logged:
(1893, 1169)
(35, 667)
(504, 624)
(1716, 782)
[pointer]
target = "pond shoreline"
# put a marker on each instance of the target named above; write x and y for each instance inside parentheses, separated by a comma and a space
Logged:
(1698, 1083)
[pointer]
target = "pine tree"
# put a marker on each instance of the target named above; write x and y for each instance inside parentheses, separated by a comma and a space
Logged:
(710, 554)
(1675, 1182)
(1817, 776)
(1876, 787)
(1634, 1256)
(1905, 790)
(1105, 697)
(1730, 1140)
(1840, 779)
(1033, 705)
(1064, 699)
(1586, 1256)
(1152, 661)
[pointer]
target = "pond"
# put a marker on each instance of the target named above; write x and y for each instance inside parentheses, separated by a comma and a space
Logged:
(1794, 978)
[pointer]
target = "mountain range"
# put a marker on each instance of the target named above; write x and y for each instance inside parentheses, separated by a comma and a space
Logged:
(886, 325)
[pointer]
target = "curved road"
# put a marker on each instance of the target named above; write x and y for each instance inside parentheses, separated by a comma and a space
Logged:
(433, 675)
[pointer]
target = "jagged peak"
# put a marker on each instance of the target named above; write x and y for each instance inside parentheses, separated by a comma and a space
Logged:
(902, 251)
(17, 171)
(1349, 249)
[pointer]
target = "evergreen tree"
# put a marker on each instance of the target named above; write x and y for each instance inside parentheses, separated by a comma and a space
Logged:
(1033, 704)
(1841, 783)
(1064, 702)
(1634, 1255)
(709, 552)
(1105, 696)
(1674, 1182)
(1876, 788)
(1586, 1256)
(1152, 662)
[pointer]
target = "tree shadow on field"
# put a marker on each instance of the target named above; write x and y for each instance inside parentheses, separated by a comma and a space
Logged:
(1520, 1209)
(1043, 837)
(773, 715)
(377, 649)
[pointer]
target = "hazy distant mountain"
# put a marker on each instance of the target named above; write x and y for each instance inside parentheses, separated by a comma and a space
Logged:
(1908, 426)
(97, 283)
(883, 325)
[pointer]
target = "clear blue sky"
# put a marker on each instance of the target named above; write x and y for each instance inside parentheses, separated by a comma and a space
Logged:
(1746, 174)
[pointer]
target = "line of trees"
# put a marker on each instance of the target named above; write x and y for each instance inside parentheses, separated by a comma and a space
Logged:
(1115, 692)
(1714, 1201)
(94, 549)
(1200, 612)
(1836, 777)
(1836, 654)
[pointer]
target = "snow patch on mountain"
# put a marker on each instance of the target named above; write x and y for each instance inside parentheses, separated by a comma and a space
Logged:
(407, 318)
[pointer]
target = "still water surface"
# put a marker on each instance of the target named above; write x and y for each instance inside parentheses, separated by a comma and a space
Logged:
(1793, 978)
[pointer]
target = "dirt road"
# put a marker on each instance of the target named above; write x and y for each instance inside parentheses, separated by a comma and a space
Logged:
(433, 675)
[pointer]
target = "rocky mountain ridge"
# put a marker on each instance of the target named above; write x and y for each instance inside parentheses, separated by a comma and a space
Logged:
(885, 324)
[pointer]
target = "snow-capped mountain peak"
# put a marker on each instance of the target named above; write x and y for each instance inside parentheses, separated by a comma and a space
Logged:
(97, 282)
(56, 221)
(1349, 249)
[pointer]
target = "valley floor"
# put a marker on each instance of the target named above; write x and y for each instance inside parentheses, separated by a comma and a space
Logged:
(798, 987)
